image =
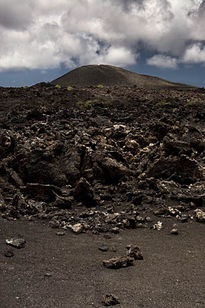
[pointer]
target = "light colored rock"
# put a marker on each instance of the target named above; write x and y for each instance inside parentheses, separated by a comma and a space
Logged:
(174, 231)
(77, 228)
(200, 215)
(158, 226)
(16, 242)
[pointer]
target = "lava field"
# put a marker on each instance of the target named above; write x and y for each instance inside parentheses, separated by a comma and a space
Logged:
(102, 158)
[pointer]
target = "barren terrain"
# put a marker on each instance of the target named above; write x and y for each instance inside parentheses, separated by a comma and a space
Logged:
(109, 75)
(110, 161)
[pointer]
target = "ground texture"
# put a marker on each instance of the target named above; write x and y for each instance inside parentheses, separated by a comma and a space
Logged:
(101, 162)
(67, 271)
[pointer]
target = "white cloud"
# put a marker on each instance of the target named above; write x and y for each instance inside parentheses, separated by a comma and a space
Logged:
(195, 54)
(163, 61)
(119, 56)
(44, 34)
(198, 23)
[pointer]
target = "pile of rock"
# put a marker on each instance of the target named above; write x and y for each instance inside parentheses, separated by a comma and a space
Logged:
(108, 164)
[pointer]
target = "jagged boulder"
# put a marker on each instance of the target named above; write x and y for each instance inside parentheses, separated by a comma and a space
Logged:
(83, 192)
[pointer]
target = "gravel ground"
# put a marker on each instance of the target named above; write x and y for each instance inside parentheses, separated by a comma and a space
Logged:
(67, 271)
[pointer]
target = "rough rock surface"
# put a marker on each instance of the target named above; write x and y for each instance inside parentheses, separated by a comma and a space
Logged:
(134, 252)
(106, 158)
(110, 300)
(118, 262)
(16, 242)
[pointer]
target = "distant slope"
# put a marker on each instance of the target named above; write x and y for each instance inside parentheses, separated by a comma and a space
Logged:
(108, 75)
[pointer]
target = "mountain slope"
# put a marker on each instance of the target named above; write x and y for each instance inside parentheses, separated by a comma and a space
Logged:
(108, 75)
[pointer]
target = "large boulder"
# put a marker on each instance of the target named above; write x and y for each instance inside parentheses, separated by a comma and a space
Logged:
(83, 192)
(181, 169)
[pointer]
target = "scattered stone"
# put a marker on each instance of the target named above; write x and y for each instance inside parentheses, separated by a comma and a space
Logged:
(118, 262)
(148, 219)
(77, 228)
(9, 254)
(160, 212)
(48, 274)
(174, 231)
(158, 226)
(141, 226)
(54, 223)
(134, 252)
(115, 230)
(60, 233)
(16, 242)
(103, 248)
(183, 218)
(172, 211)
(200, 215)
(140, 219)
(110, 300)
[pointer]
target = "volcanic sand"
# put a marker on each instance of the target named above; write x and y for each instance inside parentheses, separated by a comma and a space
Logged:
(67, 271)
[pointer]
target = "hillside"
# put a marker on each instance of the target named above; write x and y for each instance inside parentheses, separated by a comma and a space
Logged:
(108, 75)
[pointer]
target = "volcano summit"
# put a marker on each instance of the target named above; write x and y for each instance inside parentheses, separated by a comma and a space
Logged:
(108, 75)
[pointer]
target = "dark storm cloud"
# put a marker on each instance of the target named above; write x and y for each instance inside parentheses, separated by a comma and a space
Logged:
(202, 7)
(16, 15)
(127, 4)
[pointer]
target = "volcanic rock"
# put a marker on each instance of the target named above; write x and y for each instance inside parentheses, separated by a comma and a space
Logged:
(118, 262)
(110, 300)
(83, 192)
(113, 170)
(158, 226)
(174, 231)
(77, 228)
(103, 248)
(134, 252)
(16, 242)
(125, 151)
(43, 192)
(200, 215)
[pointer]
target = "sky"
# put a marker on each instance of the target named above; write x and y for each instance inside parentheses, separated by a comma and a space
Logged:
(42, 39)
